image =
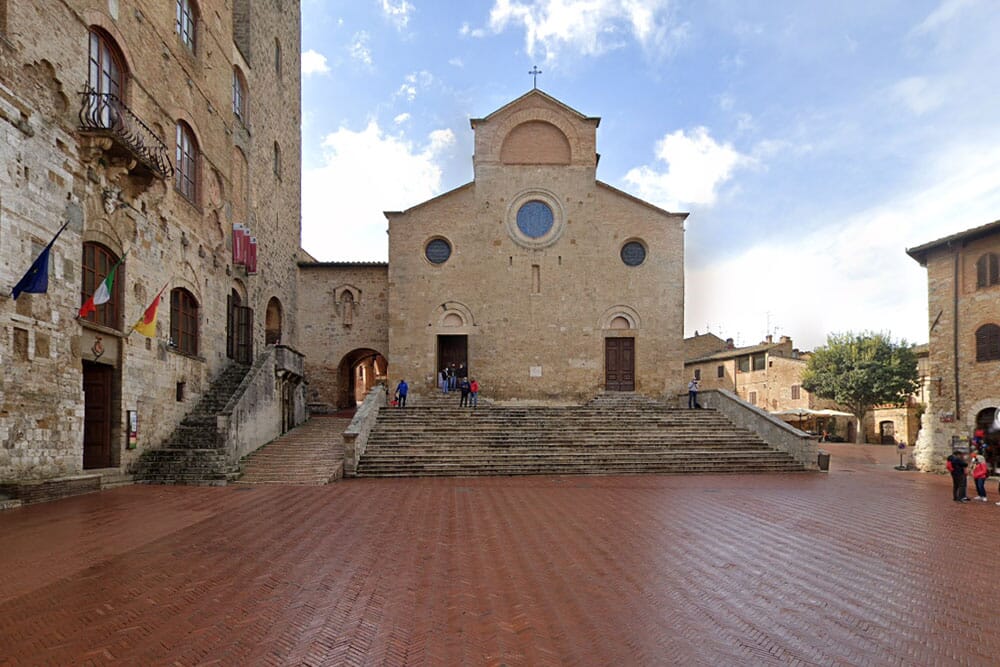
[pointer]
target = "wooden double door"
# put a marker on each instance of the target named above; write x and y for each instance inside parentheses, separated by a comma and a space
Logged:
(619, 364)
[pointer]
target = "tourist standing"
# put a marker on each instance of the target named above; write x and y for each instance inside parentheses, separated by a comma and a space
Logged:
(979, 474)
(956, 465)
(474, 393)
(443, 380)
(402, 389)
(693, 393)
(466, 389)
(452, 377)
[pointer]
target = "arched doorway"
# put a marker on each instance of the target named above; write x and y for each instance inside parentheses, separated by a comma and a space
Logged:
(272, 322)
(887, 432)
(358, 372)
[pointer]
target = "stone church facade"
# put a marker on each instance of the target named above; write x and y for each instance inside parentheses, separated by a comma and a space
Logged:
(546, 283)
(164, 132)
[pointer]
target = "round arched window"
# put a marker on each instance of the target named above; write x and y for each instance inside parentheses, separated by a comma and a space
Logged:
(535, 219)
(633, 253)
(437, 251)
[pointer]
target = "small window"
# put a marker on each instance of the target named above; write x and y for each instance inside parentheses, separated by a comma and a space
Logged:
(277, 57)
(633, 253)
(987, 271)
(437, 251)
(183, 321)
(186, 22)
(239, 94)
(277, 160)
(186, 175)
(796, 392)
(98, 261)
(753, 398)
(720, 372)
(179, 392)
(988, 343)
(759, 362)
(744, 364)
(697, 374)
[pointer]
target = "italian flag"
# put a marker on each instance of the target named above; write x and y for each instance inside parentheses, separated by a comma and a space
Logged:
(147, 323)
(103, 292)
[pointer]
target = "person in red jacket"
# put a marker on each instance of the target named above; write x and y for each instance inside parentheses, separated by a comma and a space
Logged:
(474, 393)
(980, 472)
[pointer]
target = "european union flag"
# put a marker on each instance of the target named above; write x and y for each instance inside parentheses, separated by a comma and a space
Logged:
(36, 280)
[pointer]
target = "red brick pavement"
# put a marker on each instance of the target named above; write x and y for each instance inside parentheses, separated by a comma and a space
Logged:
(857, 567)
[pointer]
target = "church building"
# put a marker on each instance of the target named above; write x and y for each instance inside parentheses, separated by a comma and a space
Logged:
(545, 283)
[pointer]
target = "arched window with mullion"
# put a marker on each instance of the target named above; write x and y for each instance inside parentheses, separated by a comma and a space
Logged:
(105, 76)
(183, 321)
(97, 263)
(187, 163)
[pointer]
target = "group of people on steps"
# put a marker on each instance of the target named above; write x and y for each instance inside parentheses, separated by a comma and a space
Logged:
(451, 378)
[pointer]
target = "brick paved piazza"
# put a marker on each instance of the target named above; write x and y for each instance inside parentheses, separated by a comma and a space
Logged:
(865, 566)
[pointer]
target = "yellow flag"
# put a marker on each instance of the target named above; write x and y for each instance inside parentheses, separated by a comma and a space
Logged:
(147, 323)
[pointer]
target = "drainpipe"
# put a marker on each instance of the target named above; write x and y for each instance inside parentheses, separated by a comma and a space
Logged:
(954, 335)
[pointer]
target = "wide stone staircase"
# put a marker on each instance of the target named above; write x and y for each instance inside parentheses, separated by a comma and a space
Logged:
(613, 434)
(310, 454)
(194, 453)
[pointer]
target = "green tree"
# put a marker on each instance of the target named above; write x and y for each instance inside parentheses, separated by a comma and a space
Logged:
(860, 371)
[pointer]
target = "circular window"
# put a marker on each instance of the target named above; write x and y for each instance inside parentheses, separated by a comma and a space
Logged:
(633, 253)
(535, 219)
(437, 251)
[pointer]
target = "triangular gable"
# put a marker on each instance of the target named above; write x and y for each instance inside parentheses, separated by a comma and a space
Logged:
(427, 202)
(535, 92)
(642, 202)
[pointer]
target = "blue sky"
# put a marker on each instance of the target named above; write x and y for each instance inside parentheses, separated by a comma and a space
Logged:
(811, 142)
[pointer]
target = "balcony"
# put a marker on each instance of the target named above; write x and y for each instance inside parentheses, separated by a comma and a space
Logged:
(105, 116)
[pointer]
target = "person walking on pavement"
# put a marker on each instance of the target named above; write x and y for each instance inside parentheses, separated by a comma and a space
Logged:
(402, 389)
(693, 394)
(956, 465)
(980, 472)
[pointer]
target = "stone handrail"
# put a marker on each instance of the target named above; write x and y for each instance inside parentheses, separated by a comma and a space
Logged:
(782, 436)
(253, 416)
(356, 435)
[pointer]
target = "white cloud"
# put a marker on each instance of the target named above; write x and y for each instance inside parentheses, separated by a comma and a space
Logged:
(917, 94)
(314, 62)
(401, 118)
(413, 83)
(590, 27)
(696, 165)
(943, 14)
(359, 48)
(362, 174)
(468, 31)
(397, 12)
(853, 273)
(456, 62)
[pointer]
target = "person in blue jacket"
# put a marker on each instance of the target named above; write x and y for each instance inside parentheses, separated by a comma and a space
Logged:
(402, 389)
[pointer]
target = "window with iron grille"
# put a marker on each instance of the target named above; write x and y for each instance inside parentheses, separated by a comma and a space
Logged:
(988, 343)
(796, 392)
(186, 22)
(753, 398)
(183, 321)
(97, 263)
(720, 372)
(186, 175)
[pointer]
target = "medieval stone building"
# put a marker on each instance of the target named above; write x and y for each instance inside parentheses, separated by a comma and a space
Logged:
(543, 282)
(963, 293)
(165, 133)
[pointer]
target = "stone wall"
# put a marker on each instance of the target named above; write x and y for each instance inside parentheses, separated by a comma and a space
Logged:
(536, 314)
(960, 386)
(344, 317)
(53, 173)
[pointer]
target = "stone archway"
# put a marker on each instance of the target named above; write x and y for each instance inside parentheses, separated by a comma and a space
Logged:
(359, 370)
(272, 322)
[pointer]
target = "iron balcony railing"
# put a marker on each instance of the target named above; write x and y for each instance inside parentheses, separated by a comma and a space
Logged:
(105, 113)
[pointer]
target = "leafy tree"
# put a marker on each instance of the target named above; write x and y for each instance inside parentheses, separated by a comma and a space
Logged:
(860, 371)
